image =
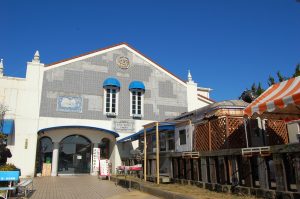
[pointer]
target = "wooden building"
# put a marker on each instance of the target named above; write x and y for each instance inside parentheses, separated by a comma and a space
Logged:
(231, 146)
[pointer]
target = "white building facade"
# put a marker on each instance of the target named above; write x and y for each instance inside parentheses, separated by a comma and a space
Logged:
(60, 112)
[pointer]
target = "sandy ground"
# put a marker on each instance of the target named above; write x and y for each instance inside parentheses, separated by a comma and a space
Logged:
(133, 194)
(193, 191)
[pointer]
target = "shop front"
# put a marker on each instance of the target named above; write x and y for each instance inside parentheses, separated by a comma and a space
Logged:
(68, 150)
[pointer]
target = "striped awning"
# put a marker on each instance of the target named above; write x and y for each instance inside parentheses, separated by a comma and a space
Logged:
(278, 96)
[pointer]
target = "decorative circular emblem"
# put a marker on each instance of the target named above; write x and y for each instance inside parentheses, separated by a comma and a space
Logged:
(123, 62)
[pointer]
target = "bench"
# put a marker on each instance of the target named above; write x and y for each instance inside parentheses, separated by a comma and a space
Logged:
(24, 186)
(12, 177)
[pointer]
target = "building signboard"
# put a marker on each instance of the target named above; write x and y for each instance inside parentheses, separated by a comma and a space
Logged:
(123, 125)
(104, 167)
(69, 104)
(96, 159)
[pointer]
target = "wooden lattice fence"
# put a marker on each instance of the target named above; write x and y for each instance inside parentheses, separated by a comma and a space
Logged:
(277, 132)
(218, 133)
(201, 137)
(236, 133)
(229, 132)
(221, 133)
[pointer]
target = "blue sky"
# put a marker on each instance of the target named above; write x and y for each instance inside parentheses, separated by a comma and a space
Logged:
(227, 44)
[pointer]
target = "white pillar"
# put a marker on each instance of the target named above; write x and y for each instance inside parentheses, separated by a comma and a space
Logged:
(94, 173)
(55, 154)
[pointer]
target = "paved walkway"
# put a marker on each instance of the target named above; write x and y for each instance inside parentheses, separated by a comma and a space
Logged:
(81, 187)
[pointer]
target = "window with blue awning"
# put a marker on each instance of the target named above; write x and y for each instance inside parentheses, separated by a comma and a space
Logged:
(8, 126)
(111, 82)
(136, 85)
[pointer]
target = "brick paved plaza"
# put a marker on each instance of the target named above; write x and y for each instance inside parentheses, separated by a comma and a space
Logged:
(78, 187)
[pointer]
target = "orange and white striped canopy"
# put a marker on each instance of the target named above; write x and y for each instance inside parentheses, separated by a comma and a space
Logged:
(277, 96)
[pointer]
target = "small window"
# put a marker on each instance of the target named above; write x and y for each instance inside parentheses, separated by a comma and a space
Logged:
(136, 103)
(111, 89)
(182, 136)
(137, 90)
(170, 141)
(111, 101)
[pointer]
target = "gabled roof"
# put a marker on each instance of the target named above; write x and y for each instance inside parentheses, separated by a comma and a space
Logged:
(109, 48)
(201, 97)
(211, 110)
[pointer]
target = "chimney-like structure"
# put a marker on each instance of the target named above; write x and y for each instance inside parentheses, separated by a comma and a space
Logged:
(192, 97)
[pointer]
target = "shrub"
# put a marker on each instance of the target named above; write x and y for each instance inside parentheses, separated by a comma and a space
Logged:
(8, 167)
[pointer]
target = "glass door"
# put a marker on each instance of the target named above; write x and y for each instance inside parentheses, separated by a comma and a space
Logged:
(74, 155)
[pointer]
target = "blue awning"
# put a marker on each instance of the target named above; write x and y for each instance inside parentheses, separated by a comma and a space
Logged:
(136, 85)
(111, 82)
(8, 126)
(164, 126)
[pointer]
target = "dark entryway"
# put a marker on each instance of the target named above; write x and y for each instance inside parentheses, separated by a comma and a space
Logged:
(74, 155)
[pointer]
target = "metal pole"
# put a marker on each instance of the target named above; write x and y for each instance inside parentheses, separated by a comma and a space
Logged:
(157, 153)
(145, 155)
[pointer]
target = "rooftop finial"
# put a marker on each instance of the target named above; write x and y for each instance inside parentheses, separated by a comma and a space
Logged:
(1, 68)
(190, 76)
(36, 57)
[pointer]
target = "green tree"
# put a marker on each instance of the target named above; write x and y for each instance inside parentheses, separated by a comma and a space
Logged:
(297, 71)
(255, 91)
(253, 88)
(259, 90)
(271, 80)
(280, 77)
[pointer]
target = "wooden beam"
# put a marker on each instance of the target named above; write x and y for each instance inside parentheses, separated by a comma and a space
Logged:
(209, 136)
(157, 153)
(150, 125)
(183, 123)
(145, 155)
(227, 133)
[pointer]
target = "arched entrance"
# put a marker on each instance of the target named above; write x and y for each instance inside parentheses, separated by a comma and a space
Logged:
(104, 149)
(74, 155)
(44, 153)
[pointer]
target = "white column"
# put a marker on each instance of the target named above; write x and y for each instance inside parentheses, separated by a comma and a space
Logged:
(94, 173)
(55, 159)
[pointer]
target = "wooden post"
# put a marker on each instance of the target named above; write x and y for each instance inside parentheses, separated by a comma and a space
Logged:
(209, 136)
(281, 183)
(157, 152)
(297, 165)
(212, 170)
(145, 155)
(246, 133)
(262, 172)
(227, 133)
(204, 169)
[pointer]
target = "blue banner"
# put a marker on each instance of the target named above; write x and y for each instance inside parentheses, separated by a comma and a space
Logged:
(9, 175)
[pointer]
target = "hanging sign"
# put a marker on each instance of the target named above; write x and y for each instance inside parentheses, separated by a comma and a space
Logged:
(104, 167)
(96, 159)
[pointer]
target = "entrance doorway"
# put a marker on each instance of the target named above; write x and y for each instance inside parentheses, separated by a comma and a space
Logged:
(74, 155)
(44, 153)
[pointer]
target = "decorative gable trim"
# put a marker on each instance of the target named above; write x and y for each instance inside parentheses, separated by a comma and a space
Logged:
(111, 48)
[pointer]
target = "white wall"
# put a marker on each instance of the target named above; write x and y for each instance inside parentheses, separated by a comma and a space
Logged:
(21, 96)
(189, 139)
(293, 130)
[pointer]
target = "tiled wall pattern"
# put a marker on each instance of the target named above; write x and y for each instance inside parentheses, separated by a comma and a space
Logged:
(164, 97)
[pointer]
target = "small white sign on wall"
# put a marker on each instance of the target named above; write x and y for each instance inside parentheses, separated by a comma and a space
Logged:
(96, 159)
(123, 125)
(104, 168)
